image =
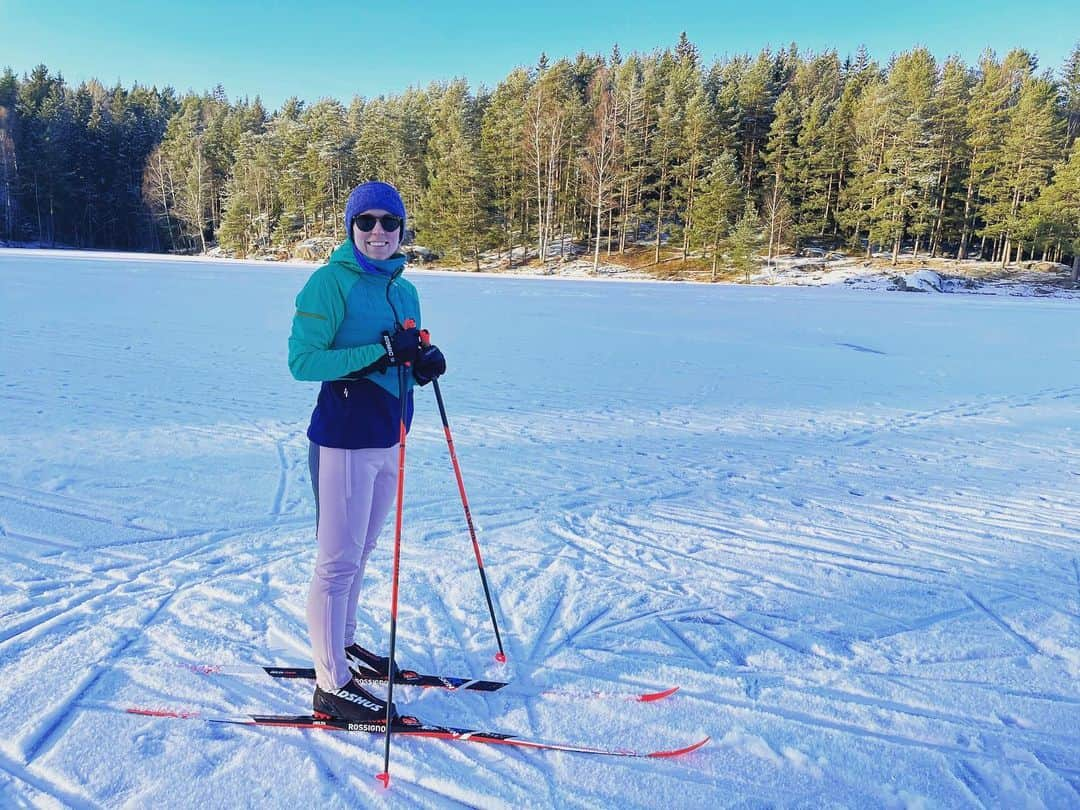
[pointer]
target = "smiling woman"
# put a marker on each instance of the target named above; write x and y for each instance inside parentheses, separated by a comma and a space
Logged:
(356, 330)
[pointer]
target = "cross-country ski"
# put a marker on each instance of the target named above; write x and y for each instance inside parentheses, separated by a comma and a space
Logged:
(410, 726)
(451, 683)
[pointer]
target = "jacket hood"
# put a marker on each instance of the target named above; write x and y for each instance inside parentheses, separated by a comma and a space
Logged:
(347, 254)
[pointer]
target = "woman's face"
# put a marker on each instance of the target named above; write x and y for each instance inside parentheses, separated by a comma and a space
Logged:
(376, 243)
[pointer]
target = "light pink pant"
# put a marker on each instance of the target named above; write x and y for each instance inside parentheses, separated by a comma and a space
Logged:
(354, 492)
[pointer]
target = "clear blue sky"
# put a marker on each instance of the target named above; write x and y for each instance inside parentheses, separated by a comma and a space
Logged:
(341, 49)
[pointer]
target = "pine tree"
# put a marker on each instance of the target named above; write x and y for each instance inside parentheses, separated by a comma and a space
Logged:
(219, 146)
(1070, 91)
(329, 165)
(811, 166)
(860, 199)
(837, 155)
(289, 140)
(250, 207)
(994, 94)
(454, 216)
(700, 136)
(1031, 147)
(1061, 204)
(697, 137)
(379, 150)
(252, 204)
(720, 83)
(720, 197)
(502, 144)
(757, 94)
(669, 152)
(242, 217)
(778, 156)
(950, 134)
(417, 109)
(8, 163)
(686, 52)
(745, 241)
(812, 159)
(908, 164)
(95, 197)
(46, 134)
(862, 61)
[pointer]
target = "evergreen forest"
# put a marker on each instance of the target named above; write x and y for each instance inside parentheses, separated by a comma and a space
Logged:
(657, 153)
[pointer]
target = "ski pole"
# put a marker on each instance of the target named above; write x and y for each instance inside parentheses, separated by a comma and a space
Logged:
(501, 656)
(384, 777)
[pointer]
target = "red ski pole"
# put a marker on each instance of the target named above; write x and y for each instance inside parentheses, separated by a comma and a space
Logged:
(384, 777)
(501, 655)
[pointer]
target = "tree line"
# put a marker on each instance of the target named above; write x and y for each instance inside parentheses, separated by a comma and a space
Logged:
(704, 162)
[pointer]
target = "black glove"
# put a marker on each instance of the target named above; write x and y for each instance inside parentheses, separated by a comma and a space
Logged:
(401, 347)
(429, 364)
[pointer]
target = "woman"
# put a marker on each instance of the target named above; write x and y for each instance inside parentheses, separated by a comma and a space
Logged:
(356, 330)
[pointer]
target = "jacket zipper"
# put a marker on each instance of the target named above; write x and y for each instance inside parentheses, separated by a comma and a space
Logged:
(393, 309)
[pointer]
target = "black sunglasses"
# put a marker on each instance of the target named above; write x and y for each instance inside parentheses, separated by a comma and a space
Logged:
(366, 222)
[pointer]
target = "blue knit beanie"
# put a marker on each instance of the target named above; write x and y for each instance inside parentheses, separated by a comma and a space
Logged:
(370, 196)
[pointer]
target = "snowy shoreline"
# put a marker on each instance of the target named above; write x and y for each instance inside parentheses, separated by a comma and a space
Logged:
(949, 277)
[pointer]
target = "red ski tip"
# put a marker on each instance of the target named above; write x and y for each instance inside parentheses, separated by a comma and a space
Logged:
(202, 669)
(649, 697)
(679, 751)
(384, 778)
(161, 713)
(500, 657)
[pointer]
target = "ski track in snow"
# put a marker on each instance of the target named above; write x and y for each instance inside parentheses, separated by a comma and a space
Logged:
(846, 523)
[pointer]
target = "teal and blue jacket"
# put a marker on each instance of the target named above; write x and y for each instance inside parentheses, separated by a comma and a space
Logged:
(337, 330)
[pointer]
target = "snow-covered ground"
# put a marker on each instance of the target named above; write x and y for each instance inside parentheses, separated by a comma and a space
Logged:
(845, 522)
(913, 275)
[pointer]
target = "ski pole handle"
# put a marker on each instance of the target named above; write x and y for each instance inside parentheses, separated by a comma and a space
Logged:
(425, 335)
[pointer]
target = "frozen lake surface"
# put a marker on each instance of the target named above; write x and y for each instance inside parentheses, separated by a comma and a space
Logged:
(846, 523)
